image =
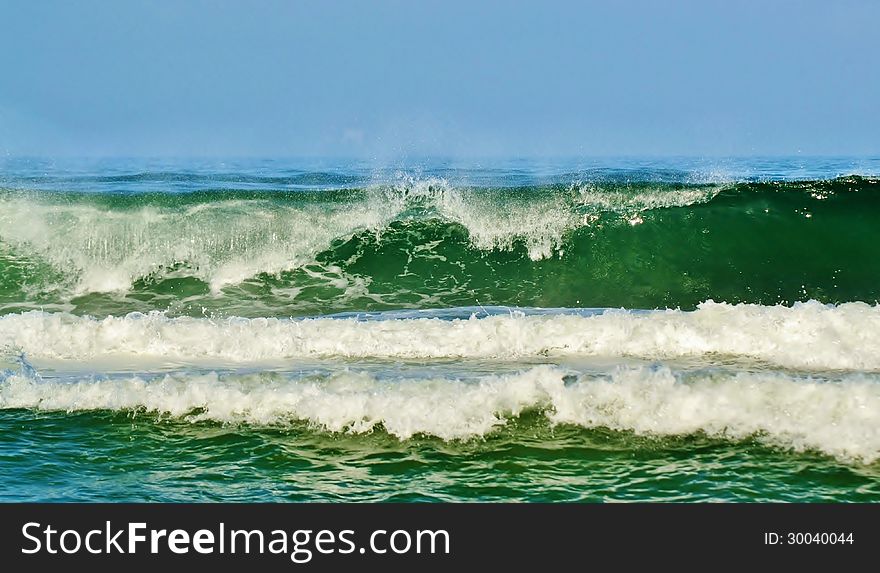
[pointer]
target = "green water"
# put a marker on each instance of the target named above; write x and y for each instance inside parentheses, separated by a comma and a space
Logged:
(125, 457)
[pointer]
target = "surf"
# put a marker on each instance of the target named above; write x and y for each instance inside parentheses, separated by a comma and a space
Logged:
(427, 243)
(837, 416)
(803, 336)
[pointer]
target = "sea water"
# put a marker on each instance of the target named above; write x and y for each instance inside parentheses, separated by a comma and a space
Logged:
(440, 330)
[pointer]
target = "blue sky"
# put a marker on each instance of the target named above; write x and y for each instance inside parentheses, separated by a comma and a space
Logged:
(393, 78)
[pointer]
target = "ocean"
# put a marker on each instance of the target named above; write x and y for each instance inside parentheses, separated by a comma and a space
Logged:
(616, 329)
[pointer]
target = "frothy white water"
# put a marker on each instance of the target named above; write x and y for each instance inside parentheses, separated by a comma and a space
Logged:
(222, 243)
(804, 336)
(539, 221)
(839, 417)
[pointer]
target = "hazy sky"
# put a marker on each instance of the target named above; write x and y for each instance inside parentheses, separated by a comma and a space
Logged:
(470, 78)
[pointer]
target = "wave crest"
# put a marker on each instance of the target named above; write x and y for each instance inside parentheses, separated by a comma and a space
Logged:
(804, 336)
(838, 417)
(429, 243)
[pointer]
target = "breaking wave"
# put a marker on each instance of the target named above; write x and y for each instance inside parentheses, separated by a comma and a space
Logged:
(804, 336)
(839, 416)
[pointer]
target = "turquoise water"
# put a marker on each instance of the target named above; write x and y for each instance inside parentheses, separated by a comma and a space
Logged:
(622, 330)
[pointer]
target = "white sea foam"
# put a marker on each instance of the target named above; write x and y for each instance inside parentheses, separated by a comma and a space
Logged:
(840, 417)
(805, 336)
(222, 243)
(539, 221)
